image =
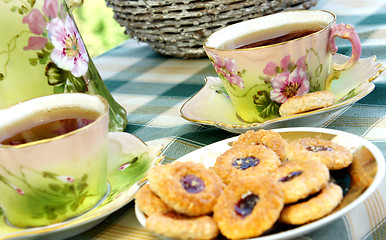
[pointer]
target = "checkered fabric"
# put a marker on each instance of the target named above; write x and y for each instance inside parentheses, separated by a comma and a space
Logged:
(152, 88)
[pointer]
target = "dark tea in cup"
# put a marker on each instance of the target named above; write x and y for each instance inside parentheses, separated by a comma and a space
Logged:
(50, 128)
(272, 36)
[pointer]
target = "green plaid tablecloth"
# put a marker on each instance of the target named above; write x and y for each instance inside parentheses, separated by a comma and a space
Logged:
(153, 88)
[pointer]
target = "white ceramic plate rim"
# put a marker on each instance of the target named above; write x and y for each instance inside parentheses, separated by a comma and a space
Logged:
(378, 155)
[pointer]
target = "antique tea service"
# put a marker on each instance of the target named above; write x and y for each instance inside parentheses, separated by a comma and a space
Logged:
(264, 61)
(56, 114)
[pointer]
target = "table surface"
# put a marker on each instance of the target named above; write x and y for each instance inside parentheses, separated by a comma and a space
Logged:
(152, 88)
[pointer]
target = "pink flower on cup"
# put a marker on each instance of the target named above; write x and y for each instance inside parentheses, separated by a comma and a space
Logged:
(286, 85)
(66, 179)
(18, 190)
(124, 166)
(288, 79)
(69, 51)
(227, 69)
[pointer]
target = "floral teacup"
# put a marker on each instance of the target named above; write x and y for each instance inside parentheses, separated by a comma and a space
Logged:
(53, 154)
(259, 79)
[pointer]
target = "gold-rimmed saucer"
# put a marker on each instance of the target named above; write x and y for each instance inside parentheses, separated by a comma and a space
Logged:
(211, 105)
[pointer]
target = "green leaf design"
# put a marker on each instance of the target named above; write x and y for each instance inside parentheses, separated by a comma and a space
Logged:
(271, 110)
(318, 70)
(32, 3)
(84, 178)
(49, 175)
(33, 61)
(81, 187)
(55, 187)
(268, 109)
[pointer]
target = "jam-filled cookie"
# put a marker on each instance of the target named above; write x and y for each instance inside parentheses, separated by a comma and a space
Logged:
(248, 207)
(246, 160)
(188, 188)
(268, 138)
(148, 202)
(313, 149)
(308, 102)
(298, 180)
(314, 208)
(174, 225)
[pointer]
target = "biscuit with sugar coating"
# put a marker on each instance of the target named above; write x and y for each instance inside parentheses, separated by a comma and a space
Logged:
(308, 102)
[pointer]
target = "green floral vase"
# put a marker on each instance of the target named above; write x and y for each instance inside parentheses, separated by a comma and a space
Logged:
(42, 53)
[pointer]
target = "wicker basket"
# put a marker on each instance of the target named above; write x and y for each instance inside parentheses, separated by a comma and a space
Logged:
(178, 28)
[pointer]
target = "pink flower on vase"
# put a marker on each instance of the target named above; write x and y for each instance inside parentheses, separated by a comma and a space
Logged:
(69, 52)
(50, 8)
(35, 21)
(227, 69)
(36, 43)
(66, 179)
(289, 84)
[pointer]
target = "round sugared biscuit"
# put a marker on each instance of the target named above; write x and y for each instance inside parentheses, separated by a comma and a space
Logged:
(188, 188)
(314, 208)
(298, 180)
(268, 138)
(308, 102)
(148, 202)
(313, 149)
(248, 207)
(246, 160)
(174, 225)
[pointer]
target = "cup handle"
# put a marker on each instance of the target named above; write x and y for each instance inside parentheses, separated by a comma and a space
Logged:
(344, 31)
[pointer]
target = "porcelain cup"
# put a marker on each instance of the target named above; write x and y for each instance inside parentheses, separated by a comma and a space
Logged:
(259, 79)
(53, 154)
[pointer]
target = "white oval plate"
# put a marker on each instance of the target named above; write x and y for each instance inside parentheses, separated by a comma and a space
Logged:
(357, 145)
(129, 160)
(210, 106)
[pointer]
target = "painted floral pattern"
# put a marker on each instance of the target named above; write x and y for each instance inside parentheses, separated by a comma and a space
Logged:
(227, 69)
(63, 190)
(287, 80)
(69, 52)
(57, 43)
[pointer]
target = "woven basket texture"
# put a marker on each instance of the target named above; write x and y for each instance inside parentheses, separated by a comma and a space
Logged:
(178, 28)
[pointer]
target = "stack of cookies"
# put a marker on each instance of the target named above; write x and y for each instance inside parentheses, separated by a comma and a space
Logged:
(262, 180)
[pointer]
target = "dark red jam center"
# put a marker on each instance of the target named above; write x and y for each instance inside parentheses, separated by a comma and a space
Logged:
(319, 148)
(290, 176)
(245, 162)
(246, 204)
(192, 184)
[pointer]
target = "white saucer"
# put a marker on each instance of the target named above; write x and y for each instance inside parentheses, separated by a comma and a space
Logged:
(369, 161)
(123, 178)
(211, 106)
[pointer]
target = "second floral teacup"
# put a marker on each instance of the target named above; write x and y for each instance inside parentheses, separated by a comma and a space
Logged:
(53, 158)
(264, 61)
